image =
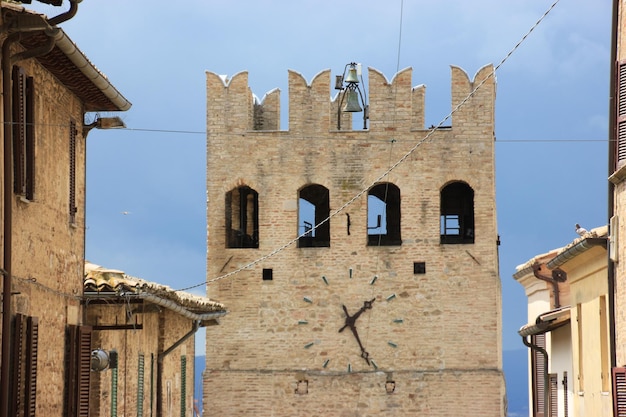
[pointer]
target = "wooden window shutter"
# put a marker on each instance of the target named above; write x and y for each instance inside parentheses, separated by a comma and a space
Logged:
(565, 395)
(17, 363)
(24, 366)
(72, 174)
(538, 367)
(32, 344)
(71, 349)
(23, 134)
(84, 370)
(78, 370)
(19, 130)
(554, 395)
(620, 129)
(30, 139)
(619, 392)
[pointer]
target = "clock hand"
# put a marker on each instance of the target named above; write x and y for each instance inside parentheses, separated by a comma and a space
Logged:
(351, 323)
(364, 353)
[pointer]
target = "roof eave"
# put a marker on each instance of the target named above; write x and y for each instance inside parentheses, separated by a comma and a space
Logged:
(70, 66)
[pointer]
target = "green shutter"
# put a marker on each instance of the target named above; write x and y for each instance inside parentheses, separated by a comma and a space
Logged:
(140, 382)
(183, 385)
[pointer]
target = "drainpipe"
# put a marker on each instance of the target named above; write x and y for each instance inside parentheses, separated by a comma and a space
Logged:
(612, 153)
(7, 63)
(67, 15)
(558, 275)
(160, 357)
(546, 378)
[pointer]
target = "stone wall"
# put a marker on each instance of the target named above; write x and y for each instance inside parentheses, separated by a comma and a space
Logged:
(47, 247)
(157, 330)
(435, 335)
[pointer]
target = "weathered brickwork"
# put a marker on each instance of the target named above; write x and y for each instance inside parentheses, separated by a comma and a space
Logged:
(47, 249)
(435, 335)
(159, 331)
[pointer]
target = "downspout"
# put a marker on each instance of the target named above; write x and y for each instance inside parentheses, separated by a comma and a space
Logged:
(7, 227)
(161, 356)
(611, 191)
(546, 377)
(557, 276)
(7, 63)
(67, 15)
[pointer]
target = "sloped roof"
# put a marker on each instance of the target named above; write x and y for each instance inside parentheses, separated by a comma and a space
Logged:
(100, 282)
(596, 236)
(68, 64)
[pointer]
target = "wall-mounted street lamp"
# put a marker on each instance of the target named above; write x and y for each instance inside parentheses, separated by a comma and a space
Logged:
(353, 100)
(104, 123)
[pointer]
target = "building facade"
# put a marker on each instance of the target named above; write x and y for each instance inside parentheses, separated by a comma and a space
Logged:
(48, 86)
(142, 345)
(356, 285)
(617, 205)
(568, 332)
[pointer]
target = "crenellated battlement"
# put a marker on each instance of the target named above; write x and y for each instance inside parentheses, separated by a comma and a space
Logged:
(393, 105)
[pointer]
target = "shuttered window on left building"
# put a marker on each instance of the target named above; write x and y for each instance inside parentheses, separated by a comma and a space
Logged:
(72, 173)
(23, 134)
(78, 368)
(24, 366)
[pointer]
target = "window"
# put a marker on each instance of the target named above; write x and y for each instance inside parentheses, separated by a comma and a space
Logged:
(620, 131)
(383, 215)
(183, 386)
(554, 395)
(72, 174)
(140, 384)
(619, 391)
(579, 326)
(24, 371)
(23, 134)
(313, 209)
(78, 360)
(242, 218)
(457, 213)
(604, 348)
(538, 365)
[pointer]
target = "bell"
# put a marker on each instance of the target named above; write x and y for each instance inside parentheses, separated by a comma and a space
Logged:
(352, 102)
(352, 76)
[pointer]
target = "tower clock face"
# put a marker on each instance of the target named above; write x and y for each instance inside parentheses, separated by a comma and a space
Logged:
(350, 324)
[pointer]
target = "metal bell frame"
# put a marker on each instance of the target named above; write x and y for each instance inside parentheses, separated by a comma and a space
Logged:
(351, 95)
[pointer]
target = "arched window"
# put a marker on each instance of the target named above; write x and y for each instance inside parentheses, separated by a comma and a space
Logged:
(313, 209)
(242, 218)
(457, 213)
(383, 215)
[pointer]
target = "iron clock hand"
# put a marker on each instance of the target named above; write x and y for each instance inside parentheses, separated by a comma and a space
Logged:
(351, 323)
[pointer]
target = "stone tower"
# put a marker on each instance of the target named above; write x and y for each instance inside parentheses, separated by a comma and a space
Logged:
(360, 267)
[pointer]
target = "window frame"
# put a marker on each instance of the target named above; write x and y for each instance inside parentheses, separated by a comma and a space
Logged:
(78, 370)
(23, 108)
(318, 196)
(620, 112)
(239, 212)
(457, 204)
(72, 173)
(537, 372)
(391, 196)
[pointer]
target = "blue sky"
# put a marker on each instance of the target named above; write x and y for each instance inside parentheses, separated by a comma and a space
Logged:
(551, 109)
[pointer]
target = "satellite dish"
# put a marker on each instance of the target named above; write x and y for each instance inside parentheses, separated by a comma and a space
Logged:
(99, 360)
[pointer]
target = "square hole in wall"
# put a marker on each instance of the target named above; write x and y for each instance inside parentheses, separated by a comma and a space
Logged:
(419, 267)
(268, 274)
(302, 387)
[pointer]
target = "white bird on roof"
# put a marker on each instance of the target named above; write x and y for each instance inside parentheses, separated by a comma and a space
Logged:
(580, 230)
